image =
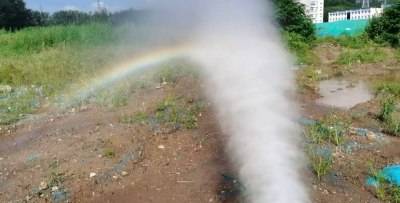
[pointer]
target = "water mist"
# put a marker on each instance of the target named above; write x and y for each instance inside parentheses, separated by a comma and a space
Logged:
(250, 80)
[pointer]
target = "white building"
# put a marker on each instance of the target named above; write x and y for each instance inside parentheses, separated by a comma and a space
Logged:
(315, 9)
(354, 14)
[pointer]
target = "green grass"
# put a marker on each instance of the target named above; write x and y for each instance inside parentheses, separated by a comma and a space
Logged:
(109, 153)
(37, 39)
(51, 63)
(357, 41)
(364, 55)
(385, 191)
(387, 87)
(321, 162)
(331, 129)
(301, 49)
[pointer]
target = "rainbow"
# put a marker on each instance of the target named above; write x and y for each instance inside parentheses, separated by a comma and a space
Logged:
(132, 66)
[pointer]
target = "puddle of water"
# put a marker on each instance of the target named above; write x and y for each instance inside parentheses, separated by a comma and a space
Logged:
(343, 94)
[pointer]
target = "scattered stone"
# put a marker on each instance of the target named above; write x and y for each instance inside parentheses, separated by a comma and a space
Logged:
(92, 175)
(100, 156)
(54, 189)
(27, 198)
(326, 192)
(124, 173)
(115, 177)
(370, 135)
(161, 147)
(315, 187)
(43, 185)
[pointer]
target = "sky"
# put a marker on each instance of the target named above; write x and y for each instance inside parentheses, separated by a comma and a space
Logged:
(85, 5)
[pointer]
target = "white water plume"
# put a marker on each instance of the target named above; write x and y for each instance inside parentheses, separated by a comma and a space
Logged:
(250, 81)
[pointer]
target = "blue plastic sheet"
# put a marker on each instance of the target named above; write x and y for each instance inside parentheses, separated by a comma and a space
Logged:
(339, 27)
(33, 157)
(391, 174)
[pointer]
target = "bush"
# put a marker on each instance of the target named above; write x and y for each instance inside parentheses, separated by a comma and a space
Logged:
(291, 17)
(386, 29)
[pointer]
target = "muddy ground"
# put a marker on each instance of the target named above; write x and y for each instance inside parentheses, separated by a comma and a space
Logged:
(64, 156)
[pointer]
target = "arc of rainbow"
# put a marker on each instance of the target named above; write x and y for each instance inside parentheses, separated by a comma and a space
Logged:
(130, 67)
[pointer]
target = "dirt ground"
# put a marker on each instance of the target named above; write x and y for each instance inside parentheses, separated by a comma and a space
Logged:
(61, 156)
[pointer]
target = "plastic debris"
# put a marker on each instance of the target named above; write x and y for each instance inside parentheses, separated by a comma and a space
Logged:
(379, 138)
(59, 196)
(390, 173)
(351, 145)
(307, 121)
(335, 180)
(121, 164)
(33, 157)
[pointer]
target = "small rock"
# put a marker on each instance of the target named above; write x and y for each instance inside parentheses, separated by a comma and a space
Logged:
(326, 192)
(315, 187)
(54, 189)
(100, 156)
(115, 177)
(27, 198)
(124, 173)
(370, 135)
(92, 175)
(43, 185)
(161, 147)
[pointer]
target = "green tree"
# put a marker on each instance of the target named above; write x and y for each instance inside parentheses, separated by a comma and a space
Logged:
(14, 15)
(291, 16)
(66, 17)
(386, 29)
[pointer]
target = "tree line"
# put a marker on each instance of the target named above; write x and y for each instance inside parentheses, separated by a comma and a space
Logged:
(14, 16)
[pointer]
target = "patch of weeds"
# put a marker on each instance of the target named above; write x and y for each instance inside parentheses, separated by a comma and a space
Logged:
(387, 88)
(388, 106)
(320, 161)
(314, 74)
(331, 128)
(55, 179)
(364, 55)
(54, 164)
(140, 115)
(339, 73)
(178, 111)
(354, 174)
(313, 135)
(109, 153)
(389, 115)
(124, 118)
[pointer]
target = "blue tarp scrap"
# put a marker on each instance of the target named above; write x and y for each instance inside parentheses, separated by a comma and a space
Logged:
(379, 138)
(60, 196)
(121, 164)
(33, 157)
(391, 175)
(306, 121)
(326, 152)
(236, 186)
(351, 145)
(335, 180)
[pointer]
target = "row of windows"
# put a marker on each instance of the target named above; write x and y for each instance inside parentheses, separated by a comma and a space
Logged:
(353, 18)
(353, 12)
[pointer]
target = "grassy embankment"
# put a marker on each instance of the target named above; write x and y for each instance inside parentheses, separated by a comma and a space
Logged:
(41, 65)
